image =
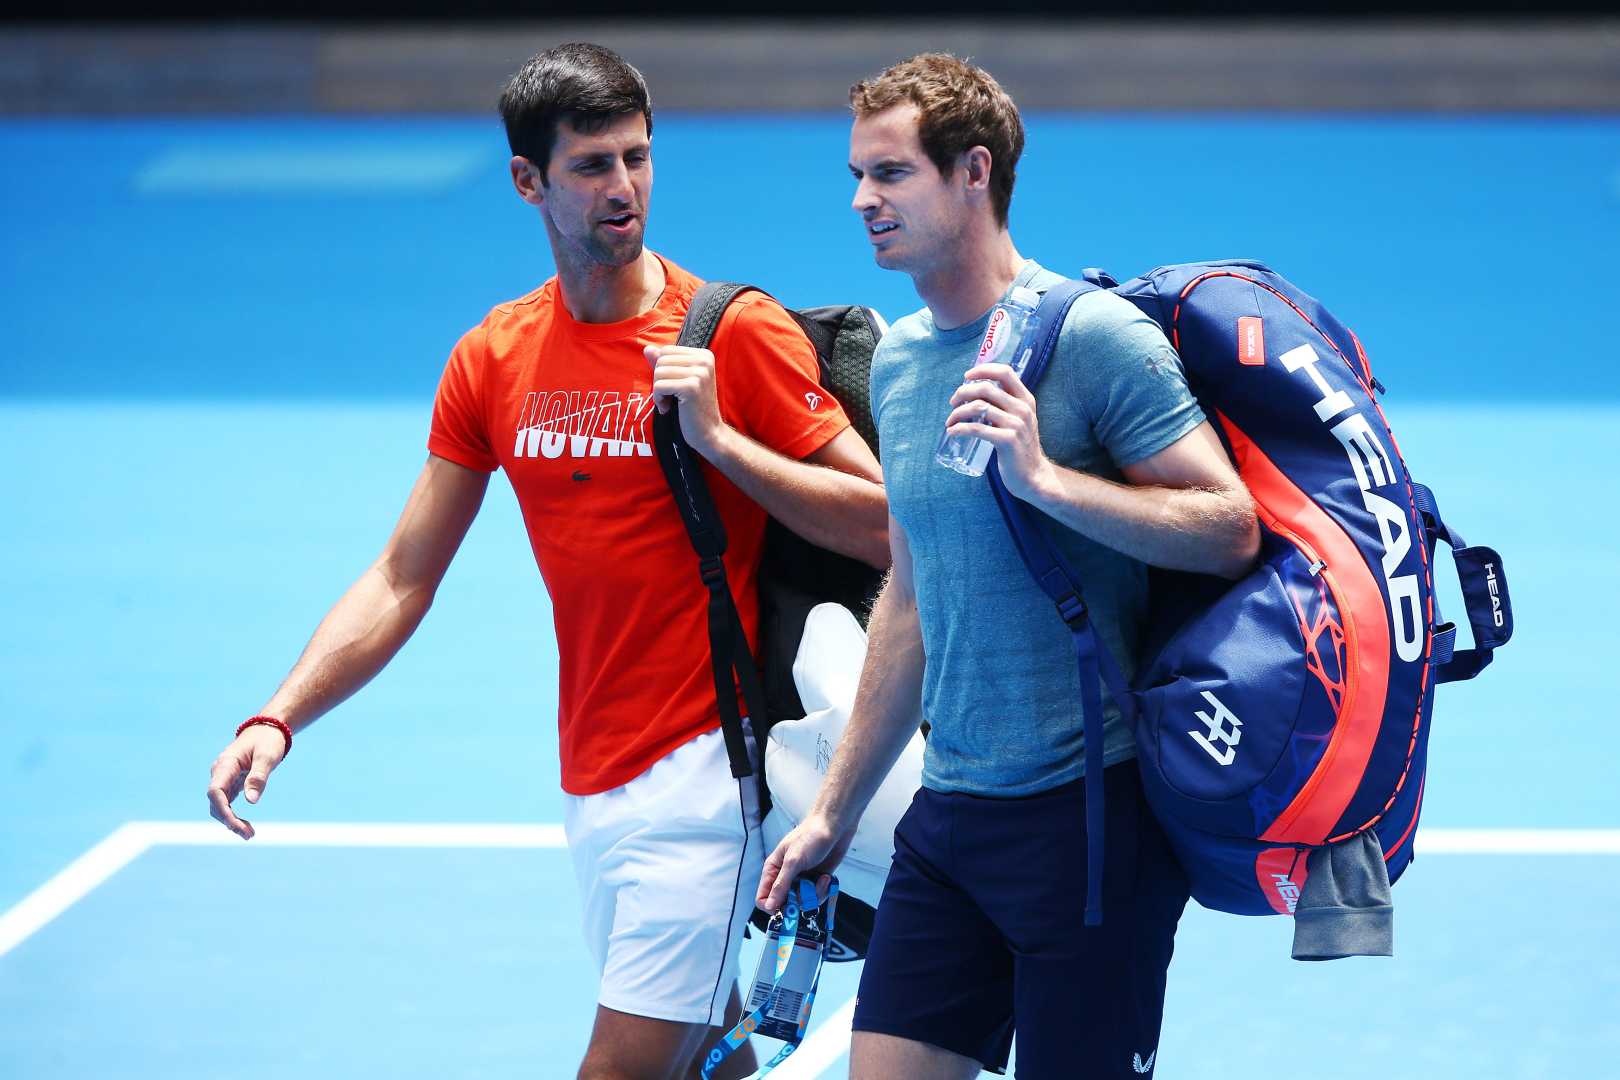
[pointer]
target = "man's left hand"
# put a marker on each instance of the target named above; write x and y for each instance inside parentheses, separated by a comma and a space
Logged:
(686, 375)
(995, 405)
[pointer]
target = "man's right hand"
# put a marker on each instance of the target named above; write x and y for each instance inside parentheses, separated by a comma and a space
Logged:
(243, 767)
(361, 633)
(814, 847)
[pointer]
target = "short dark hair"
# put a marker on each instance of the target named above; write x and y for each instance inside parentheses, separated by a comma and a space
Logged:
(585, 84)
(961, 106)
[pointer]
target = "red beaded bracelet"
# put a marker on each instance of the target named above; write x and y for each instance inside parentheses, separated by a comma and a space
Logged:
(270, 721)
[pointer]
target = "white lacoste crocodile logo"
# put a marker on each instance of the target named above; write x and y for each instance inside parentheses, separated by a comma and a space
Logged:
(1143, 1066)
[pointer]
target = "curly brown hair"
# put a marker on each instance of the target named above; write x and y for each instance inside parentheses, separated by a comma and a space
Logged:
(961, 106)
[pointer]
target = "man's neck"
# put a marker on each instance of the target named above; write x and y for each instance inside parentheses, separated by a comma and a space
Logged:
(964, 286)
(594, 293)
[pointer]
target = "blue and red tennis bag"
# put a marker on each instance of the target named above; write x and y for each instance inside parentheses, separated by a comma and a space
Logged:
(1290, 709)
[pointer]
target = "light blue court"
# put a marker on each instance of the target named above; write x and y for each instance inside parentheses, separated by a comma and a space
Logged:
(219, 351)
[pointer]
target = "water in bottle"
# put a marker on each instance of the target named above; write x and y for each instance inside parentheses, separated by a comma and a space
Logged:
(1010, 340)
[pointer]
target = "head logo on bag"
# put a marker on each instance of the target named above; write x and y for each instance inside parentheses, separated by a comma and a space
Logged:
(1329, 650)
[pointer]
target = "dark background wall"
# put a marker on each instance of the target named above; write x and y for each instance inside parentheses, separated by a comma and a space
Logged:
(1428, 64)
(465, 10)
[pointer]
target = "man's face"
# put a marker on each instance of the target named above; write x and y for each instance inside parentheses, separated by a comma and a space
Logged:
(595, 203)
(911, 213)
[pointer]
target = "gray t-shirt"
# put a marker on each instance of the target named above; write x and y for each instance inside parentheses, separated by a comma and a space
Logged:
(1001, 688)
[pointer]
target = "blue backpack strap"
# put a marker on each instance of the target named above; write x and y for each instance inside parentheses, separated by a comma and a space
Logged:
(1485, 597)
(1058, 581)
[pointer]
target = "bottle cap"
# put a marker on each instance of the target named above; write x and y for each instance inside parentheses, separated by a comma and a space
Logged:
(1024, 296)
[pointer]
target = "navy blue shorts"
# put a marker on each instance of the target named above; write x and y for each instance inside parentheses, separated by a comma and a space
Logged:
(980, 932)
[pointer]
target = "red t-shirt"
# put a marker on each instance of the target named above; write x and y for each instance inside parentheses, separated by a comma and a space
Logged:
(565, 408)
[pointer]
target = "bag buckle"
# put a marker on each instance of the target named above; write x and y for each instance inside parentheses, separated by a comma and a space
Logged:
(712, 571)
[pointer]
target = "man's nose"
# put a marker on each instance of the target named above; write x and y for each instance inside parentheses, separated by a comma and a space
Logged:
(619, 189)
(865, 199)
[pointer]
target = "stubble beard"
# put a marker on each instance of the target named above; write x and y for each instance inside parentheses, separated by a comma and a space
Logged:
(596, 250)
(614, 252)
(887, 260)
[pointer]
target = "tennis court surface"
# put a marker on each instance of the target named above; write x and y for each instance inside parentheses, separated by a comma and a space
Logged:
(221, 344)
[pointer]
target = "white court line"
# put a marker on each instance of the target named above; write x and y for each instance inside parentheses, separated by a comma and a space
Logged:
(353, 834)
(81, 875)
(127, 842)
(824, 1046)
(1519, 842)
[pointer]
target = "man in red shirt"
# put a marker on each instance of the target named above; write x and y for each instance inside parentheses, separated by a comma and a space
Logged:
(557, 388)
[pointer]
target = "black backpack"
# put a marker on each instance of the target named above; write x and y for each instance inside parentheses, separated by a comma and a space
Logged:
(794, 576)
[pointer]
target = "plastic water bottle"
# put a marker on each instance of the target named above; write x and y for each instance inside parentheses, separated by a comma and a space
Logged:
(1010, 340)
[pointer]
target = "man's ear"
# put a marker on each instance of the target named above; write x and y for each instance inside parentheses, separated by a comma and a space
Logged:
(975, 164)
(526, 179)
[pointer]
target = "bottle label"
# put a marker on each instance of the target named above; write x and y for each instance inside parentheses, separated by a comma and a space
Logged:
(995, 336)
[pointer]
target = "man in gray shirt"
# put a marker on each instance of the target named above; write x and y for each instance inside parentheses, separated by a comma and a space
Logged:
(979, 931)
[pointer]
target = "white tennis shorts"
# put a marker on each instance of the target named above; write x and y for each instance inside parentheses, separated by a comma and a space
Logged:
(668, 865)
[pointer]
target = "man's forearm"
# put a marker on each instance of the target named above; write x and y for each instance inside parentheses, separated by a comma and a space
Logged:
(1199, 529)
(886, 709)
(355, 641)
(833, 509)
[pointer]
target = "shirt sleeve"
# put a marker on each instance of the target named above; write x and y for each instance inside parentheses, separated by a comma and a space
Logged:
(1128, 377)
(459, 432)
(766, 373)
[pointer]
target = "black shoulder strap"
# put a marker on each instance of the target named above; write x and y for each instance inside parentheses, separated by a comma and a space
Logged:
(709, 304)
(729, 654)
